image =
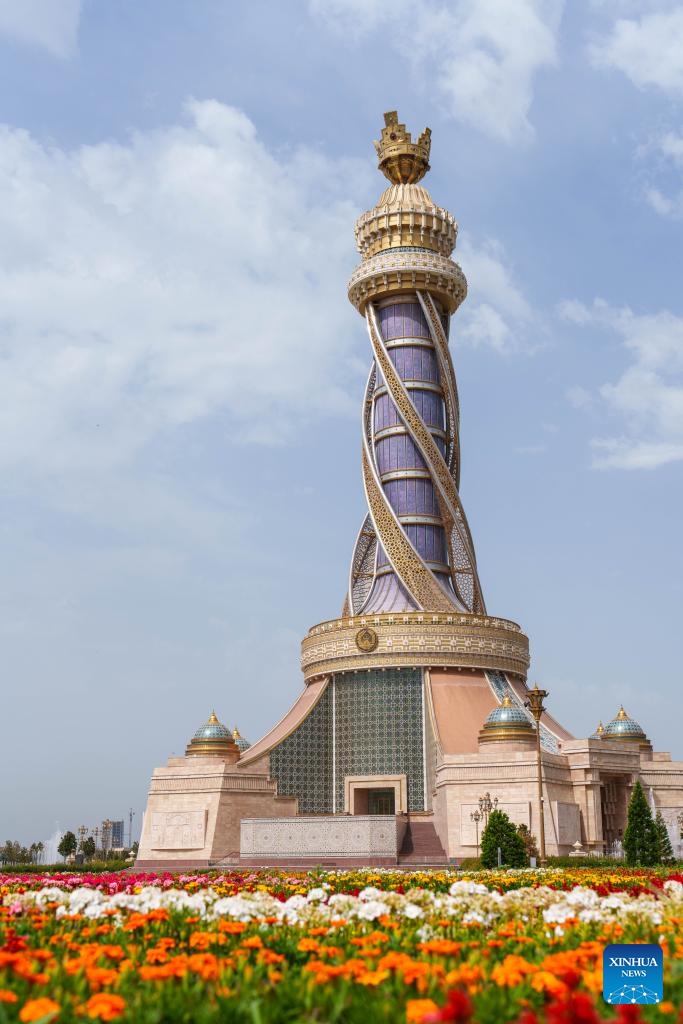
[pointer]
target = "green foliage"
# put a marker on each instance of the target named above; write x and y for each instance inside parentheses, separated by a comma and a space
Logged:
(500, 832)
(88, 848)
(664, 847)
(12, 852)
(641, 843)
(529, 840)
(68, 844)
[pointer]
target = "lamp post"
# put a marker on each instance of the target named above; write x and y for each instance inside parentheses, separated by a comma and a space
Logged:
(535, 705)
(476, 817)
(486, 805)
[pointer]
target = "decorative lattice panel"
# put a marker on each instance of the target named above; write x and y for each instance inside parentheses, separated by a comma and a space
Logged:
(378, 729)
(302, 763)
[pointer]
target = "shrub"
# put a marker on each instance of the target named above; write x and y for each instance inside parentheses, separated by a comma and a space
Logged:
(500, 832)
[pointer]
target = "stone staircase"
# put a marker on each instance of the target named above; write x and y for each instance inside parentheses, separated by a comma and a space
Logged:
(421, 846)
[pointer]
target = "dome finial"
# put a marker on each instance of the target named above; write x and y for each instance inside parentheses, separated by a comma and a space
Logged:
(401, 160)
(212, 739)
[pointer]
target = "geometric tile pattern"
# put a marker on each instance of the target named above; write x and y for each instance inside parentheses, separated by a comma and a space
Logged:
(302, 763)
(378, 729)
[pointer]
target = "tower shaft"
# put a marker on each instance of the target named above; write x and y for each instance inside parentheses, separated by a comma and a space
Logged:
(414, 551)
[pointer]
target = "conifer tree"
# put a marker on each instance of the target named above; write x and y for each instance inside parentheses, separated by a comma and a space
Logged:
(641, 843)
(664, 847)
(500, 832)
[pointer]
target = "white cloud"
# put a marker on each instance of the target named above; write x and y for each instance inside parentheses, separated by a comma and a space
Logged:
(479, 56)
(666, 199)
(50, 24)
(495, 313)
(185, 273)
(649, 49)
(579, 397)
(647, 399)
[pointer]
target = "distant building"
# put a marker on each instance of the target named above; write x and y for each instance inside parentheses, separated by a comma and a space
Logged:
(117, 835)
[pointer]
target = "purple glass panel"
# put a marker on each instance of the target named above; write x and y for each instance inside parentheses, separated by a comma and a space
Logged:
(428, 541)
(398, 452)
(415, 363)
(429, 405)
(385, 413)
(403, 320)
(412, 497)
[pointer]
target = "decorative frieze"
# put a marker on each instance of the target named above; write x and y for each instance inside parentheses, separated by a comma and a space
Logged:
(416, 640)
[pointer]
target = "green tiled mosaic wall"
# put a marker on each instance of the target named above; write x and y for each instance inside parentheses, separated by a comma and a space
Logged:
(302, 763)
(378, 726)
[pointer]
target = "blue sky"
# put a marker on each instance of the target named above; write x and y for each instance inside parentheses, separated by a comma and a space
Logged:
(181, 372)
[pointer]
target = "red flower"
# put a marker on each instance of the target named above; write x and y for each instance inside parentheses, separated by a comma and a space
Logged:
(574, 1008)
(458, 1009)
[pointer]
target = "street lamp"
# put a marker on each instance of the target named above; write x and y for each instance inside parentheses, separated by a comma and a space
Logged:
(535, 705)
(476, 817)
(486, 805)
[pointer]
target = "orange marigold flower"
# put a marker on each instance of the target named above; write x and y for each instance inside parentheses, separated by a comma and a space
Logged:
(36, 1009)
(269, 956)
(232, 927)
(98, 976)
(201, 940)
(308, 945)
(544, 981)
(419, 1009)
(253, 942)
(443, 947)
(512, 971)
(8, 997)
(666, 1007)
(104, 1006)
(372, 977)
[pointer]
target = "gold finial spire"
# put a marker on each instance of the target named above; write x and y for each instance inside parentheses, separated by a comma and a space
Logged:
(621, 714)
(600, 729)
(507, 703)
(401, 160)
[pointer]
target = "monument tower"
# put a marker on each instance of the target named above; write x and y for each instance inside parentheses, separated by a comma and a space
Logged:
(415, 699)
(414, 662)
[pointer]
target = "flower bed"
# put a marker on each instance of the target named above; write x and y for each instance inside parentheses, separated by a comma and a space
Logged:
(265, 948)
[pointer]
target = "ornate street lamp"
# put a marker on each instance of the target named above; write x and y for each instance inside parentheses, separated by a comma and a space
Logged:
(535, 705)
(486, 805)
(476, 817)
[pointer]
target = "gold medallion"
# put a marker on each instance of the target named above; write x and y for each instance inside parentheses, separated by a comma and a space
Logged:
(366, 640)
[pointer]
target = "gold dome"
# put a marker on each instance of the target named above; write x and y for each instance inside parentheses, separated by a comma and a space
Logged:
(212, 739)
(507, 722)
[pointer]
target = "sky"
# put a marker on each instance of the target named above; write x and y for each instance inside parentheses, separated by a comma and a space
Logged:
(181, 372)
